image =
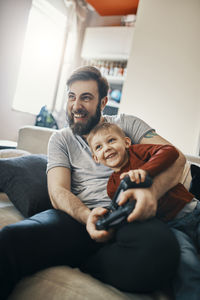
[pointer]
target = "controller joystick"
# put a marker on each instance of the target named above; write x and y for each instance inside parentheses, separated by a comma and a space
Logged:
(117, 214)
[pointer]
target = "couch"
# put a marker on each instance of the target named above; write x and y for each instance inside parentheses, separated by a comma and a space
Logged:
(60, 282)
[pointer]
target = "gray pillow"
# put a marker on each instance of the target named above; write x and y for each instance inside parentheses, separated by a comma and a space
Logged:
(24, 180)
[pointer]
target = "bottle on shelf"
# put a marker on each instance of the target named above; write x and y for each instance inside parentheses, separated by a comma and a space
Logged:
(109, 68)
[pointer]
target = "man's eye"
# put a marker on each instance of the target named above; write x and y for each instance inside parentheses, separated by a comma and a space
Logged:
(86, 98)
(71, 97)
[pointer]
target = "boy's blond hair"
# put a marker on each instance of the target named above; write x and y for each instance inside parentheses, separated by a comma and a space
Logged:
(103, 127)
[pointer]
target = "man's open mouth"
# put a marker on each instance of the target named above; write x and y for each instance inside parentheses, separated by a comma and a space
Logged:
(79, 116)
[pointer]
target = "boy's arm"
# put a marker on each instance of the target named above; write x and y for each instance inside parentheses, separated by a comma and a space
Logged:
(157, 157)
(146, 199)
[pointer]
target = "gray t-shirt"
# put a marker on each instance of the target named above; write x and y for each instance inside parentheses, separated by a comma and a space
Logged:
(89, 179)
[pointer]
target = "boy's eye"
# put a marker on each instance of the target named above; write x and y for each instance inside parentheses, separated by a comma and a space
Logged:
(111, 140)
(97, 147)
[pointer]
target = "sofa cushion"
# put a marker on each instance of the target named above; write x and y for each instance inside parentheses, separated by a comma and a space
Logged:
(63, 282)
(24, 180)
(195, 182)
(6, 153)
(9, 215)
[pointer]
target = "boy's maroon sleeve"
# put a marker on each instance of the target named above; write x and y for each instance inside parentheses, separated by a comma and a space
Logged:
(157, 157)
(111, 187)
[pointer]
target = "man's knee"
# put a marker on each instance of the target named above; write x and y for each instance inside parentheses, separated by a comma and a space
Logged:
(150, 233)
(154, 248)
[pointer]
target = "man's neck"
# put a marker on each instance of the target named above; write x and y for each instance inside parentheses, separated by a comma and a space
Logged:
(86, 135)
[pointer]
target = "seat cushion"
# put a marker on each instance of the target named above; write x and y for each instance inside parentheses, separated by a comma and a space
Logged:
(59, 283)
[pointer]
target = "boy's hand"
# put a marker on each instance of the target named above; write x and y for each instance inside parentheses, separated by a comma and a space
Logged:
(146, 204)
(98, 235)
(137, 175)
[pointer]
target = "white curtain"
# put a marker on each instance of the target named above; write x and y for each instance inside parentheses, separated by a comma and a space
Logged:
(76, 16)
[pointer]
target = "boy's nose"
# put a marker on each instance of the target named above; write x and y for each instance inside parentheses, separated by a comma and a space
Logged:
(106, 147)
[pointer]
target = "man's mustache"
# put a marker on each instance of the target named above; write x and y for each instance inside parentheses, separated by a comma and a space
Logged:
(80, 111)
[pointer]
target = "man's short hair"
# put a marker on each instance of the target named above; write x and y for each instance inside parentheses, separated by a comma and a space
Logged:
(86, 73)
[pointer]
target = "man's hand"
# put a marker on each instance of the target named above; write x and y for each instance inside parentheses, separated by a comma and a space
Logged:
(98, 235)
(146, 204)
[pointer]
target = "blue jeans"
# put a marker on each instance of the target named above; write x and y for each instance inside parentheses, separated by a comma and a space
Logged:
(141, 257)
(187, 232)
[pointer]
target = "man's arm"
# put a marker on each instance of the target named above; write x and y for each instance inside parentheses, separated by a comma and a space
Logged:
(171, 176)
(59, 181)
(146, 199)
(59, 185)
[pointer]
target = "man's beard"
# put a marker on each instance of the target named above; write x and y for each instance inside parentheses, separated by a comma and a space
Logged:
(80, 128)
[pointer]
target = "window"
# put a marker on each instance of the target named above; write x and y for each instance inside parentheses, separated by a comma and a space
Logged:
(41, 58)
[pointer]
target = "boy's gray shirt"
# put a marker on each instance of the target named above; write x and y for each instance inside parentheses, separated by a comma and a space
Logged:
(89, 179)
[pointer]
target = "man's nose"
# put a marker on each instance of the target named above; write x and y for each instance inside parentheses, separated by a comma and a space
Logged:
(77, 105)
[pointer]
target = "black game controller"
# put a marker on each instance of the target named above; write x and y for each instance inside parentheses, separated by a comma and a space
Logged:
(117, 214)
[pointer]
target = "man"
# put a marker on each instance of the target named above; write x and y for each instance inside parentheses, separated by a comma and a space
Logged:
(140, 256)
(77, 185)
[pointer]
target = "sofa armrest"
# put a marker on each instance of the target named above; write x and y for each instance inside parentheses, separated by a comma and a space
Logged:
(34, 139)
(194, 159)
(186, 177)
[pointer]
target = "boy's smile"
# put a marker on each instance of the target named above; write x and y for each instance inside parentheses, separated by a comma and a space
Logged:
(109, 148)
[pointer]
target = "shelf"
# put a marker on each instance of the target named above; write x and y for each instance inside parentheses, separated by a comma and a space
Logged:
(112, 103)
(105, 56)
(109, 43)
(115, 79)
(5, 144)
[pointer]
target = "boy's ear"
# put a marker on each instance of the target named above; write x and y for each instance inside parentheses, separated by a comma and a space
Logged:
(127, 141)
(95, 158)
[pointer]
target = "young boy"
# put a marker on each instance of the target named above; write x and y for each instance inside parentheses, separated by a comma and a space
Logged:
(177, 207)
(112, 148)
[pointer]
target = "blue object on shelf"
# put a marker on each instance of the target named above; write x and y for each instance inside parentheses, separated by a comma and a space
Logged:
(116, 95)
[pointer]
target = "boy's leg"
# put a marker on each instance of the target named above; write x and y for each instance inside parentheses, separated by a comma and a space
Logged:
(143, 257)
(187, 231)
(46, 239)
(187, 280)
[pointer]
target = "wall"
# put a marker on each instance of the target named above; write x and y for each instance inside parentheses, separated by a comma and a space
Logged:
(94, 19)
(13, 20)
(163, 76)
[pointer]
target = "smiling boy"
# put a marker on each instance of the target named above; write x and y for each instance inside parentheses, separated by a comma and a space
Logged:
(112, 148)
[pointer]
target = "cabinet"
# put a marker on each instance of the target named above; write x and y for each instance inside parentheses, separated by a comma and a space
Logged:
(108, 49)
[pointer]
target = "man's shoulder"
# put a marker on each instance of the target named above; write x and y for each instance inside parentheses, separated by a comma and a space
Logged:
(62, 135)
(120, 119)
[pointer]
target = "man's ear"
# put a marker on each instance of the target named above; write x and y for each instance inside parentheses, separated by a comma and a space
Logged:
(95, 158)
(127, 141)
(104, 102)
